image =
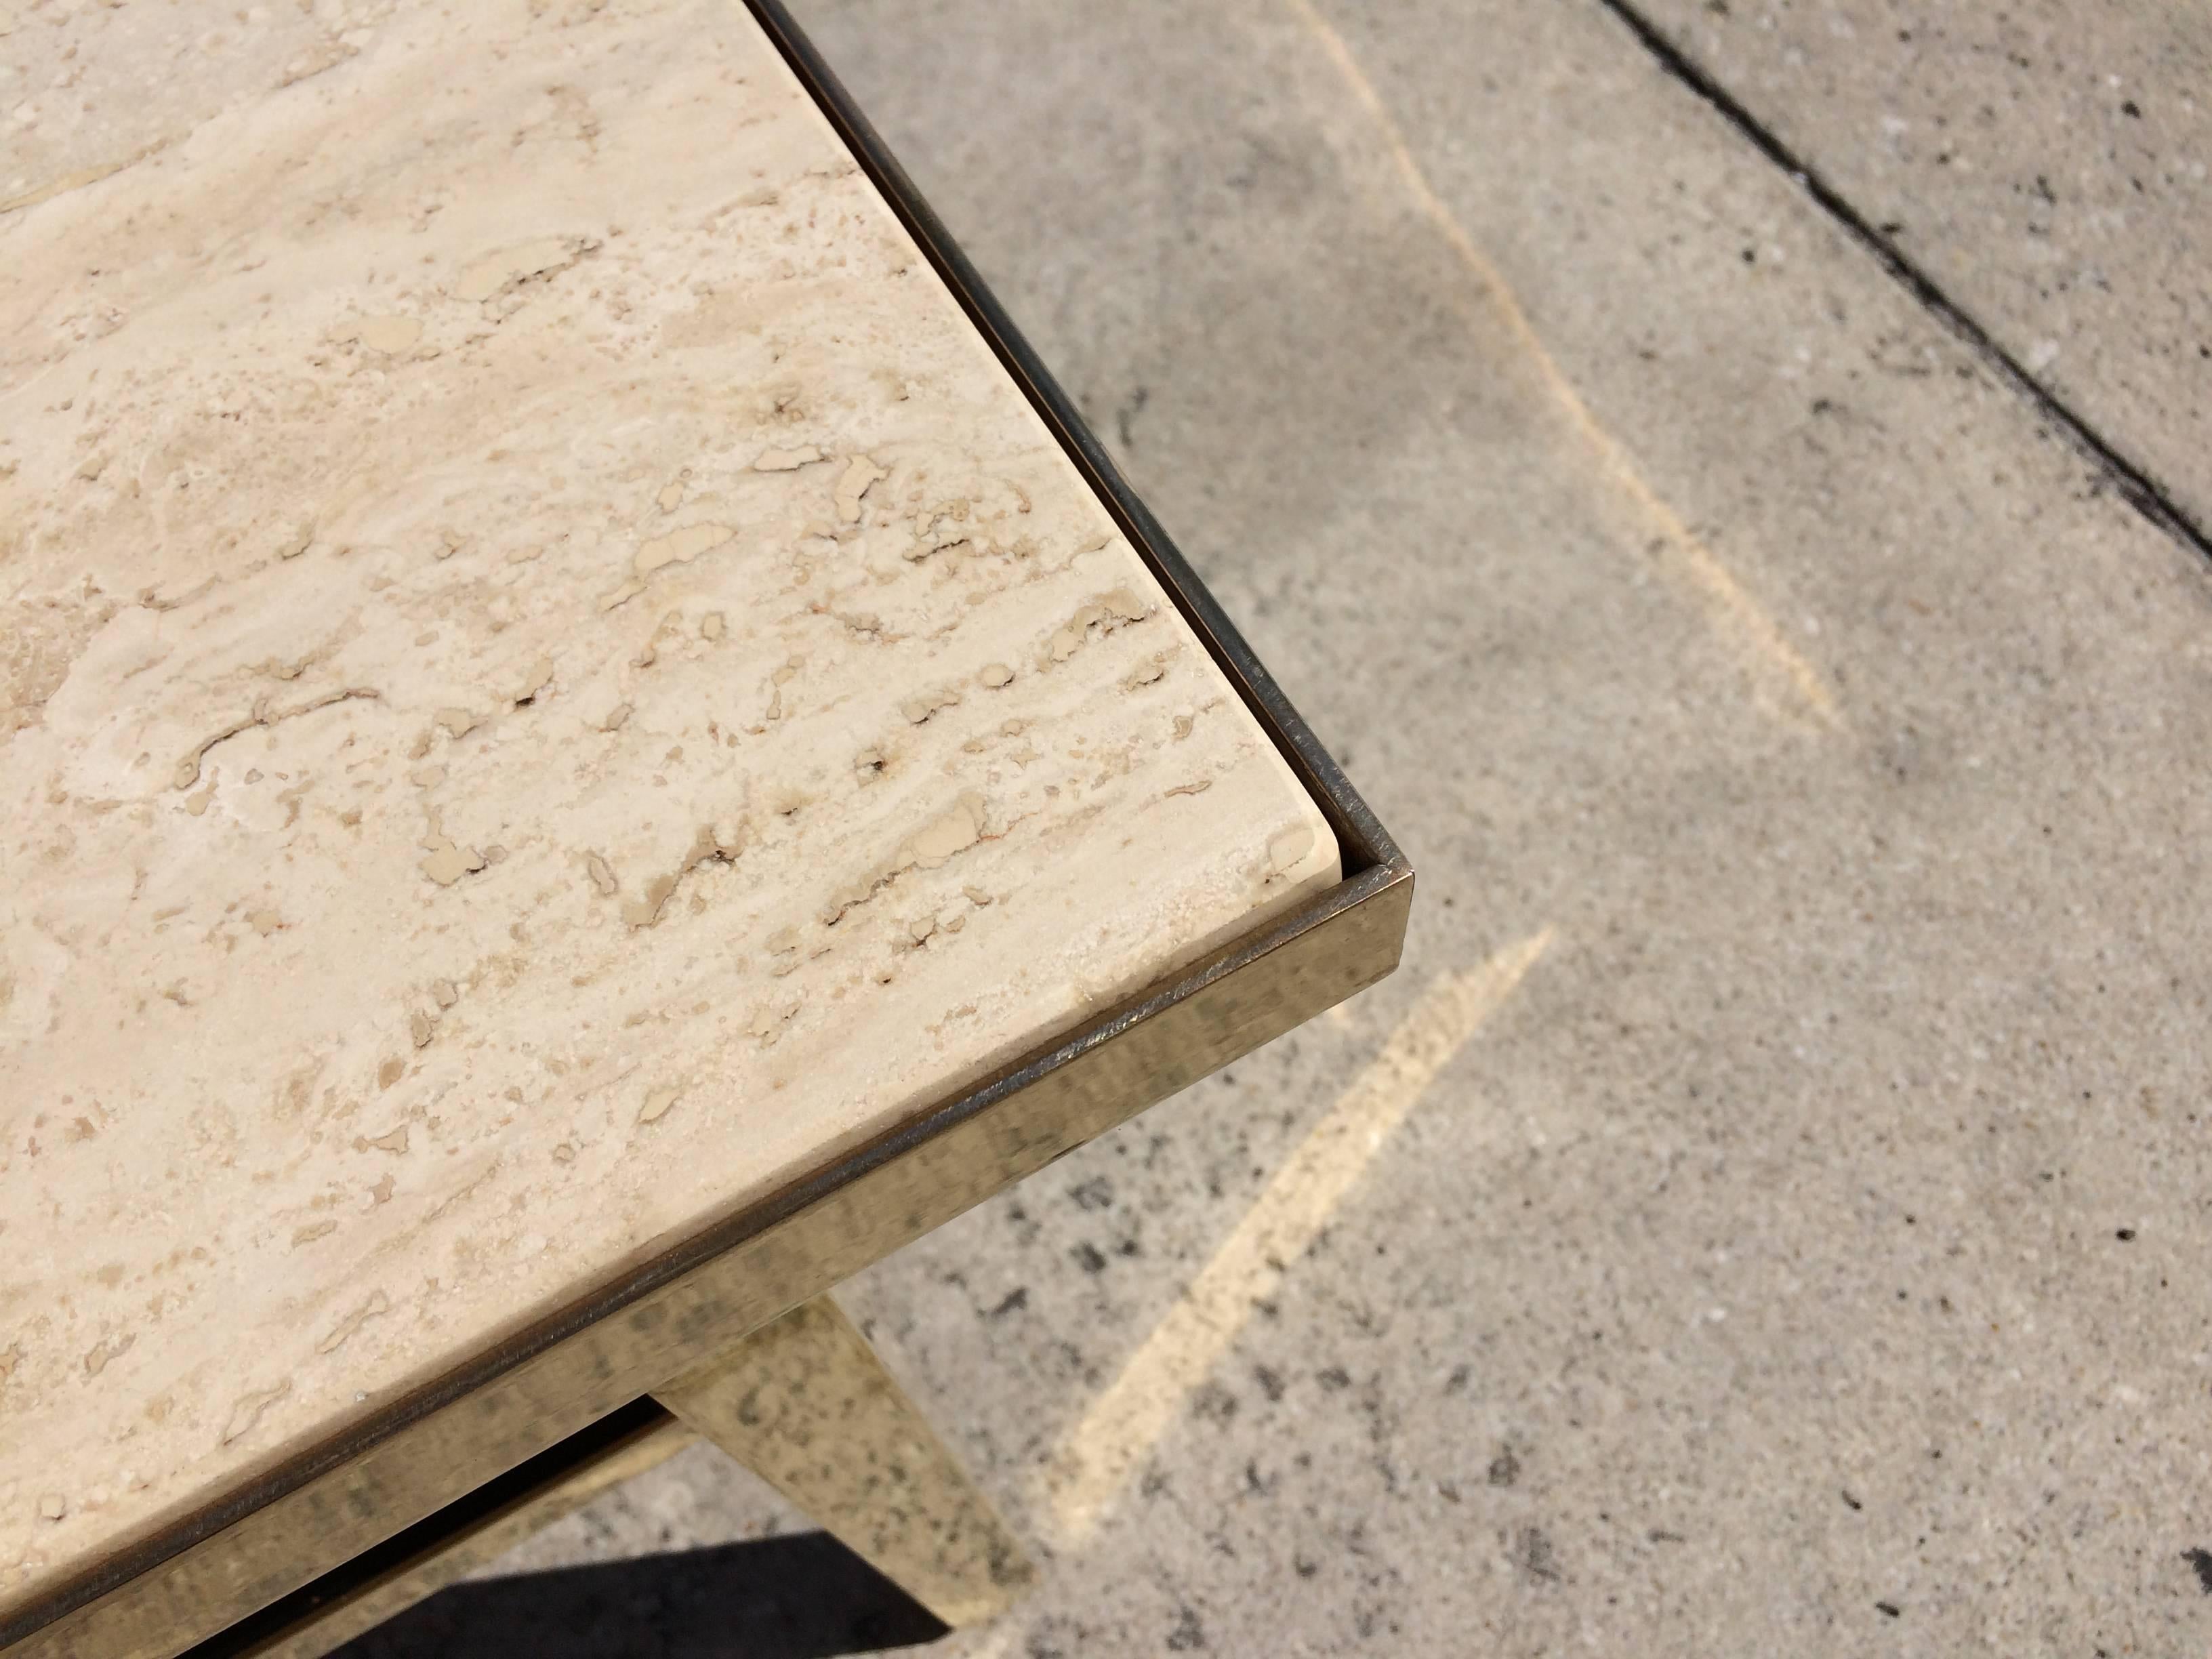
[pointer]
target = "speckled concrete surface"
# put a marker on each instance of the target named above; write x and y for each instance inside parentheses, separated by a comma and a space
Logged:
(2046, 162)
(1804, 1257)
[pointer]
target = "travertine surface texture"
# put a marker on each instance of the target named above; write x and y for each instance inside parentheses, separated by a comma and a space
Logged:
(548, 681)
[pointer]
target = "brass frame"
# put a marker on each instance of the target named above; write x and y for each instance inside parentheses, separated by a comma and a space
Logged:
(425, 1558)
(197, 1574)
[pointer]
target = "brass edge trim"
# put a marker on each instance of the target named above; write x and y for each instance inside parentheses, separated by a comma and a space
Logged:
(598, 1356)
(1163, 1039)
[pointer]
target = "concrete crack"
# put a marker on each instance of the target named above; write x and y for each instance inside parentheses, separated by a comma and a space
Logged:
(2133, 480)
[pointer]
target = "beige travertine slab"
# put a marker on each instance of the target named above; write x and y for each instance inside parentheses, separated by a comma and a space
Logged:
(550, 682)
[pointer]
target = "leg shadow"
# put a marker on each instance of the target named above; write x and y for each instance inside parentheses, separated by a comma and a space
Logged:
(804, 1596)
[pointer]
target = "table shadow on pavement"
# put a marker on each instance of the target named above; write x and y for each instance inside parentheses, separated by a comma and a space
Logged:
(801, 1596)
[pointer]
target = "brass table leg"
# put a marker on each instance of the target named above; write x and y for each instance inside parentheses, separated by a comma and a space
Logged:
(805, 1403)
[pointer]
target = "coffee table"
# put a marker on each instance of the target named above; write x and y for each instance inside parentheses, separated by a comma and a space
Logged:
(590, 747)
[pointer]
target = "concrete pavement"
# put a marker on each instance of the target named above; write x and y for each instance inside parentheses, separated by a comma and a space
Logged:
(1764, 1213)
(2047, 164)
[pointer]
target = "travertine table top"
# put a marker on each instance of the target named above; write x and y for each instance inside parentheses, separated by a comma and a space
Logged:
(548, 682)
